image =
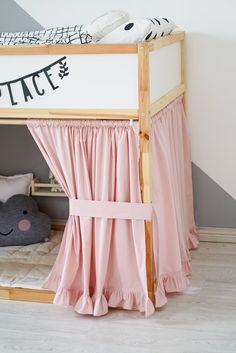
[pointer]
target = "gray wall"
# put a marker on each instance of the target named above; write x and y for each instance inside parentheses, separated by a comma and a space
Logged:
(213, 206)
(14, 18)
(18, 151)
(19, 154)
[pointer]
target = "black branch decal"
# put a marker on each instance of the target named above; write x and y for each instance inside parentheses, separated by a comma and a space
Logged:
(64, 70)
(31, 85)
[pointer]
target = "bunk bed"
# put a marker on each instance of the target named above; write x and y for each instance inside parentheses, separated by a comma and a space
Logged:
(135, 92)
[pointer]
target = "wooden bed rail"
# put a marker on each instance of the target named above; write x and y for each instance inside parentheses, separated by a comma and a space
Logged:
(19, 116)
(26, 294)
(167, 40)
(50, 49)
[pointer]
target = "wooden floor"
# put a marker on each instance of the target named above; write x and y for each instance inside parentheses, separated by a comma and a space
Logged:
(202, 320)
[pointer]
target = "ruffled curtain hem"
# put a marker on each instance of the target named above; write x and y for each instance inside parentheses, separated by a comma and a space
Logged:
(176, 282)
(97, 305)
(171, 283)
(193, 239)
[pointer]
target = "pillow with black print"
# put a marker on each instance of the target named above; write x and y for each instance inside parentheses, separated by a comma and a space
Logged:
(160, 27)
(140, 29)
(57, 35)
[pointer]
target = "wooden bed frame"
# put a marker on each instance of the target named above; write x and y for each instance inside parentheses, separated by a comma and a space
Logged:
(17, 116)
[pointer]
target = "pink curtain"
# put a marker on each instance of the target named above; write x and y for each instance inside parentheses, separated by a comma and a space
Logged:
(101, 261)
(174, 231)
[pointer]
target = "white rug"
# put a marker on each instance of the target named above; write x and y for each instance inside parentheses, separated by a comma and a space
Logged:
(28, 266)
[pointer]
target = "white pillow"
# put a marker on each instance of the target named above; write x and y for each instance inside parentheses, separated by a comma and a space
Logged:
(106, 23)
(13, 185)
(140, 29)
(132, 31)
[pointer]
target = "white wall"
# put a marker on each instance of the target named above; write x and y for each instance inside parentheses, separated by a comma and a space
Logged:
(211, 67)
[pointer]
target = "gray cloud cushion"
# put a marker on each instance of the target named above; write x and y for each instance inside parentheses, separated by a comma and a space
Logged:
(21, 222)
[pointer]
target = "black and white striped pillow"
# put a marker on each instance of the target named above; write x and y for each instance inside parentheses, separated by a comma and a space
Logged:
(160, 27)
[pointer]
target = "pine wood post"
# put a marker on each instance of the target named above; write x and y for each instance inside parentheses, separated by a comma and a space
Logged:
(145, 153)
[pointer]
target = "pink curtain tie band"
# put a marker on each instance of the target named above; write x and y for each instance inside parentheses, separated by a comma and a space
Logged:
(109, 209)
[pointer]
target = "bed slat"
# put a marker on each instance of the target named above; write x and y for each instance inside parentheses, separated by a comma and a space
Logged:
(27, 294)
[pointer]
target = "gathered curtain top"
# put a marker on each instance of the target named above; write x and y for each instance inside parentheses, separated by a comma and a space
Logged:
(79, 123)
(169, 108)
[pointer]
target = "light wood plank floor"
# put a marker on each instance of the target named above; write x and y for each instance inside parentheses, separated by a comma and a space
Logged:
(201, 320)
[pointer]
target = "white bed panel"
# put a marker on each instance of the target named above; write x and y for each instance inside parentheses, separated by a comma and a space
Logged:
(95, 81)
(165, 70)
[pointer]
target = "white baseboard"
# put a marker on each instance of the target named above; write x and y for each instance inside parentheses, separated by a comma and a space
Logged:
(217, 235)
(207, 234)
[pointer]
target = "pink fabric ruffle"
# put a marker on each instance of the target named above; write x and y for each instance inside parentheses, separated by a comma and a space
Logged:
(130, 301)
(171, 283)
(97, 305)
(186, 267)
(176, 282)
(100, 305)
(193, 239)
(84, 305)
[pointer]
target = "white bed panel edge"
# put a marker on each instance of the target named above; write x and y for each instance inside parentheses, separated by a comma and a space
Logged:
(165, 70)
